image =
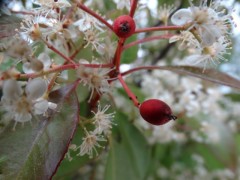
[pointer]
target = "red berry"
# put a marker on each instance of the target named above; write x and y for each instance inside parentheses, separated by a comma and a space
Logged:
(156, 112)
(124, 26)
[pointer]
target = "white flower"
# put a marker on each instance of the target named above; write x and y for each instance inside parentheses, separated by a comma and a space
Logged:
(53, 3)
(95, 79)
(122, 4)
(164, 12)
(92, 38)
(30, 27)
(102, 120)
(211, 131)
(209, 22)
(187, 40)
(88, 22)
(211, 54)
(21, 106)
(90, 143)
(19, 49)
(43, 62)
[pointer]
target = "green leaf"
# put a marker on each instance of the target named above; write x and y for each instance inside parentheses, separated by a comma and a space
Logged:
(129, 155)
(68, 168)
(235, 97)
(6, 65)
(129, 55)
(136, 90)
(35, 151)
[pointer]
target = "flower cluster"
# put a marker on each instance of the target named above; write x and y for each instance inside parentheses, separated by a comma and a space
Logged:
(21, 105)
(61, 42)
(208, 29)
(102, 123)
(190, 98)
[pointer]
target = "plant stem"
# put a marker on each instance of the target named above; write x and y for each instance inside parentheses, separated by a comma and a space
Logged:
(89, 11)
(58, 52)
(165, 36)
(118, 52)
(143, 68)
(61, 68)
(160, 28)
(133, 7)
(128, 91)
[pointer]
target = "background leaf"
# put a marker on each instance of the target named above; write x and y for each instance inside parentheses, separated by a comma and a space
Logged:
(212, 75)
(34, 152)
(129, 154)
(129, 55)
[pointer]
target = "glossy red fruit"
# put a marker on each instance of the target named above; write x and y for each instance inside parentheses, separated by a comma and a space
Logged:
(124, 26)
(156, 112)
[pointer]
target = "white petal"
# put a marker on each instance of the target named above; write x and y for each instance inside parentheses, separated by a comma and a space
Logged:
(64, 3)
(209, 34)
(36, 88)
(41, 107)
(52, 105)
(27, 68)
(195, 59)
(174, 39)
(23, 117)
(82, 24)
(11, 89)
(182, 17)
(45, 59)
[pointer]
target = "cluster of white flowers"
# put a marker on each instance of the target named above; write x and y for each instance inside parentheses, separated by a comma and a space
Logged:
(54, 37)
(102, 123)
(95, 79)
(208, 29)
(189, 98)
(179, 171)
(51, 30)
(21, 105)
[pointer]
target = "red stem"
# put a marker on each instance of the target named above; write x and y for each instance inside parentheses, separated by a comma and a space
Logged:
(128, 91)
(145, 68)
(62, 68)
(89, 11)
(58, 52)
(133, 7)
(160, 28)
(117, 56)
(165, 36)
(77, 51)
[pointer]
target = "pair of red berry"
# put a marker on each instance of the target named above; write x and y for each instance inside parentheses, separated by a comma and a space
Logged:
(153, 111)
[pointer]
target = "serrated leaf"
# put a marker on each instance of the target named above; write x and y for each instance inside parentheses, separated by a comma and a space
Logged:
(129, 155)
(35, 151)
